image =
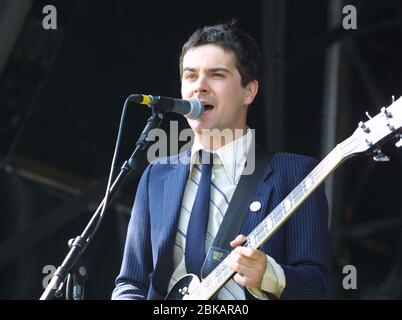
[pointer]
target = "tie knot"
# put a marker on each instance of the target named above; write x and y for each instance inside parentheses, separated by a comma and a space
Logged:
(206, 158)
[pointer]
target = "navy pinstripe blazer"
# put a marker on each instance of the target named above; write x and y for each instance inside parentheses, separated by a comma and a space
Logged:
(300, 246)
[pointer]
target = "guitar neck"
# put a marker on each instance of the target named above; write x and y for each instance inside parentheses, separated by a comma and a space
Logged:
(289, 205)
(369, 135)
(222, 273)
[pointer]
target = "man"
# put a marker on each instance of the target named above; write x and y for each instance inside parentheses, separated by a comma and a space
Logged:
(220, 65)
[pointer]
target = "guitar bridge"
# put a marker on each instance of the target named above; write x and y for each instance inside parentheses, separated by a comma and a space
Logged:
(184, 291)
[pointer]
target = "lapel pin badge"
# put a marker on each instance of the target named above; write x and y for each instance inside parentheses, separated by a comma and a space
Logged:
(255, 206)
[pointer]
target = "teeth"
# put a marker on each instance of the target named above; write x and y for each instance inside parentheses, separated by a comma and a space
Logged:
(207, 105)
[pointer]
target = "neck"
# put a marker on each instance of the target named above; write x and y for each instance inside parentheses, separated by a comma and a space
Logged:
(213, 139)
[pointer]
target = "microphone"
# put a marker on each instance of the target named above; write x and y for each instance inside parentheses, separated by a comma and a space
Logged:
(190, 108)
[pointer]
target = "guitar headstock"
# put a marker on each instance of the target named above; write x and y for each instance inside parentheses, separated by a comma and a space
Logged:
(372, 133)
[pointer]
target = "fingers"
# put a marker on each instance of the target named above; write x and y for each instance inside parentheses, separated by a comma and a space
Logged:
(237, 241)
(249, 264)
(248, 252)
(246, 281)
(253, 259)
(244, 270)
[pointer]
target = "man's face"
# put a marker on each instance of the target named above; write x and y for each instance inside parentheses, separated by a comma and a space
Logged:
(210, 74)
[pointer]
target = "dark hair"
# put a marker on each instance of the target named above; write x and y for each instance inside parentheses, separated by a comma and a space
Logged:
(231, 39)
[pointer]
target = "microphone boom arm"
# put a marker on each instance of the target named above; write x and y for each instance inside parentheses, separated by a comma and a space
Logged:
(80, 243)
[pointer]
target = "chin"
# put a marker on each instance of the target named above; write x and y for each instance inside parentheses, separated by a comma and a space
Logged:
(199, 125)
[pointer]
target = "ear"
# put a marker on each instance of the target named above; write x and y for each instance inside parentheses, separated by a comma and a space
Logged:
(251, 92)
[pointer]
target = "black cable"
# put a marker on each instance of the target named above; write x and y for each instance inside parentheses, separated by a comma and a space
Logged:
(112, 170)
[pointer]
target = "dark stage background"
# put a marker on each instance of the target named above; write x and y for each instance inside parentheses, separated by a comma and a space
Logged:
(62, 91)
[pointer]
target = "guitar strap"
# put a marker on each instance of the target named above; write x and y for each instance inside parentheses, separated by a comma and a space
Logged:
(235, 213)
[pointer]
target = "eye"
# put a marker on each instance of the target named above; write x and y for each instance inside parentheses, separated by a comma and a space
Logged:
(189, 76)
(217, 75)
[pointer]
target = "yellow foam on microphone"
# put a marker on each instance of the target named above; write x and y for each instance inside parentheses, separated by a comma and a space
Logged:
(146, 99)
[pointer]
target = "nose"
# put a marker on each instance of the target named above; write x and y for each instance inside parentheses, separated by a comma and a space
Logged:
(201, 85)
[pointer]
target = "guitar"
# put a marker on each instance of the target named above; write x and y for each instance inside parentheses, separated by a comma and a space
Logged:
(367, 137)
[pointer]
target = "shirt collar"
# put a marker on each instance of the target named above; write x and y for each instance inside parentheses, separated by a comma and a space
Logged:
(232, 155)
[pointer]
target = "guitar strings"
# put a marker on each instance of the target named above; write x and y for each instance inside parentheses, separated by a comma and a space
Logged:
(280, 211)
(296, 192)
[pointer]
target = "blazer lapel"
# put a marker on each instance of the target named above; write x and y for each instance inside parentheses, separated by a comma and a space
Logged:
(173, 195)
(262, 195)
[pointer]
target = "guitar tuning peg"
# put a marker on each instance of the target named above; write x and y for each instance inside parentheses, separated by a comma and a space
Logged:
(393, 99)
(380, 156)
(386, 113)
(398, 144)
(364, 127)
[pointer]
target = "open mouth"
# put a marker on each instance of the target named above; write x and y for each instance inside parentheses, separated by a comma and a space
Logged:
(208, 107)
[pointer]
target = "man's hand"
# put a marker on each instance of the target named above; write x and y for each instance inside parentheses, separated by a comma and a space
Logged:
(249, 264)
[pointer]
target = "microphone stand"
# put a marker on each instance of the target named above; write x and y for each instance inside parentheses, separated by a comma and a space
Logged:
(76, 279)
(80, 243)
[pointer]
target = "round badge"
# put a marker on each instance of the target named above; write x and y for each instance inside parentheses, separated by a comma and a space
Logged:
(255, 206)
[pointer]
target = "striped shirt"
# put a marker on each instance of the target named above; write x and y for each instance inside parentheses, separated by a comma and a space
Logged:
(228, 164)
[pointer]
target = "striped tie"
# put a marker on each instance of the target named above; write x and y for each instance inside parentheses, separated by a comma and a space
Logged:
(197, 226)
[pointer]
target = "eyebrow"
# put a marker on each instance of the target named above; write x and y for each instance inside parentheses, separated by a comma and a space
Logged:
(211, 70)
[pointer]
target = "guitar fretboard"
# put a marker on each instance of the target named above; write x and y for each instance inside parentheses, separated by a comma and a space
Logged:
(222, 273)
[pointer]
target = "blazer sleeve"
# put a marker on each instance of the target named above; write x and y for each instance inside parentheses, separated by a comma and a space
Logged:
(133, 280)
(307, 269)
